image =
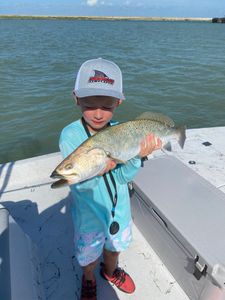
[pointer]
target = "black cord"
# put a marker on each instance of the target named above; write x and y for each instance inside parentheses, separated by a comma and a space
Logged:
(113, 199)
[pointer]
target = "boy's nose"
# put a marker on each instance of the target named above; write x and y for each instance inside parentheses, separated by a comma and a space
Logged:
(98, 113)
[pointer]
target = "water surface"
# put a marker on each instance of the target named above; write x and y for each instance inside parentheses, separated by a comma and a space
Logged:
(177, 68)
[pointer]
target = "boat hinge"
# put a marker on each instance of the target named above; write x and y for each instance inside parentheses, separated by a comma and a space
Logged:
(200, 268)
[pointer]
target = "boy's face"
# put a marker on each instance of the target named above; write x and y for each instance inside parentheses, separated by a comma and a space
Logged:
(97, 111)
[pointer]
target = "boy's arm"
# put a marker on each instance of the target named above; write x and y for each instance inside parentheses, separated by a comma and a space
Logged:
(127, 172)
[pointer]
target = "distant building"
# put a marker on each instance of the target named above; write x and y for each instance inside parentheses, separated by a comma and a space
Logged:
(218, 20)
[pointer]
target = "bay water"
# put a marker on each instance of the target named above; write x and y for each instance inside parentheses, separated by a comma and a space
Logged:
(177, 68)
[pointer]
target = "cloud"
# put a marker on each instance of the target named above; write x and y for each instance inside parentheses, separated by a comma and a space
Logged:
(92, 2)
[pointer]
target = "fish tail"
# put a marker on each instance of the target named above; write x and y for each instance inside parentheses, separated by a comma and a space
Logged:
(181, 136)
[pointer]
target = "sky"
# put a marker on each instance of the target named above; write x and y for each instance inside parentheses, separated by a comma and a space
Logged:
(148, 8)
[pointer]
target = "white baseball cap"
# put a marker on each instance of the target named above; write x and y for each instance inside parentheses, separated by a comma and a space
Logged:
(99, 77)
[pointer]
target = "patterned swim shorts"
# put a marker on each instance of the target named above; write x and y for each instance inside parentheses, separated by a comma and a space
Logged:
(89, 246)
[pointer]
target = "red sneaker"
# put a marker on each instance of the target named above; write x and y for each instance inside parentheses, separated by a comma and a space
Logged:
(88, 290)
(120, 279)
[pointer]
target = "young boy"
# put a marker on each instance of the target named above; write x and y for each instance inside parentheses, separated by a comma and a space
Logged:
(101, 206)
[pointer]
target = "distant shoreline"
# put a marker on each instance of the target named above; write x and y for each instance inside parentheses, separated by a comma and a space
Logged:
(112, 18)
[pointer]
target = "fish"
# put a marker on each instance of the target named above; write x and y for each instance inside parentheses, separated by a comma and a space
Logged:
(120, 142)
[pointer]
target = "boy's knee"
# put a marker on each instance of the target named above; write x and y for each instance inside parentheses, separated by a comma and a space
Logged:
(90, 266)
(111, 253)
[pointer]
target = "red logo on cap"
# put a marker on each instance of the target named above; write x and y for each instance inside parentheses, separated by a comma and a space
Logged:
(101, 77)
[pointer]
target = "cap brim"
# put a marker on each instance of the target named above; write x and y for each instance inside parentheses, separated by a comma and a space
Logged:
(81, 93)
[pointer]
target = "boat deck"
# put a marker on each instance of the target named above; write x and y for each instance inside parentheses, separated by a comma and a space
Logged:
(44, 215)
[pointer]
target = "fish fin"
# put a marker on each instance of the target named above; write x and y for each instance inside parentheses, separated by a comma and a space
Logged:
(155, 116)
(97, 150)
(118, 161)
(181, 136)
(108, 154)
(59, 183)
(167, 147)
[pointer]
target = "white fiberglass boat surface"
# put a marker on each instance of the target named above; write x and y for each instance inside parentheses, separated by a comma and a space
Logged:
(171, 257)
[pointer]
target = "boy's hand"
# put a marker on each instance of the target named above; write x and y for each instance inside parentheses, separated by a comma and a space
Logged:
(149, 144)
(111, 164)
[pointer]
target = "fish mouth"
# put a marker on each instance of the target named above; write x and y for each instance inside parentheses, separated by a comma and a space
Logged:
(56, 175)
(59, 183)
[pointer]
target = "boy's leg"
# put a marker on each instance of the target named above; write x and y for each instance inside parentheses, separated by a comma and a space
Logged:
(88, 288)
(88, 271)
(110, 270)
(117, 276)
(110, 261)
(89, 247)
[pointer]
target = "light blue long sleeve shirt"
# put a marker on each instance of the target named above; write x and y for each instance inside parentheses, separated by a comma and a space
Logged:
(92, 205)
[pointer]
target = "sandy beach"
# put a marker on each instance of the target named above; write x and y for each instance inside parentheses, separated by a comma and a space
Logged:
(112, 18)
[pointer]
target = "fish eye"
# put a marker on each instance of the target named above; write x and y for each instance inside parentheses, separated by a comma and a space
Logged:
(68, 167)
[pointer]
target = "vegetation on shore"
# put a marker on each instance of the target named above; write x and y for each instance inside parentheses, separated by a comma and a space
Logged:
(105, 18)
